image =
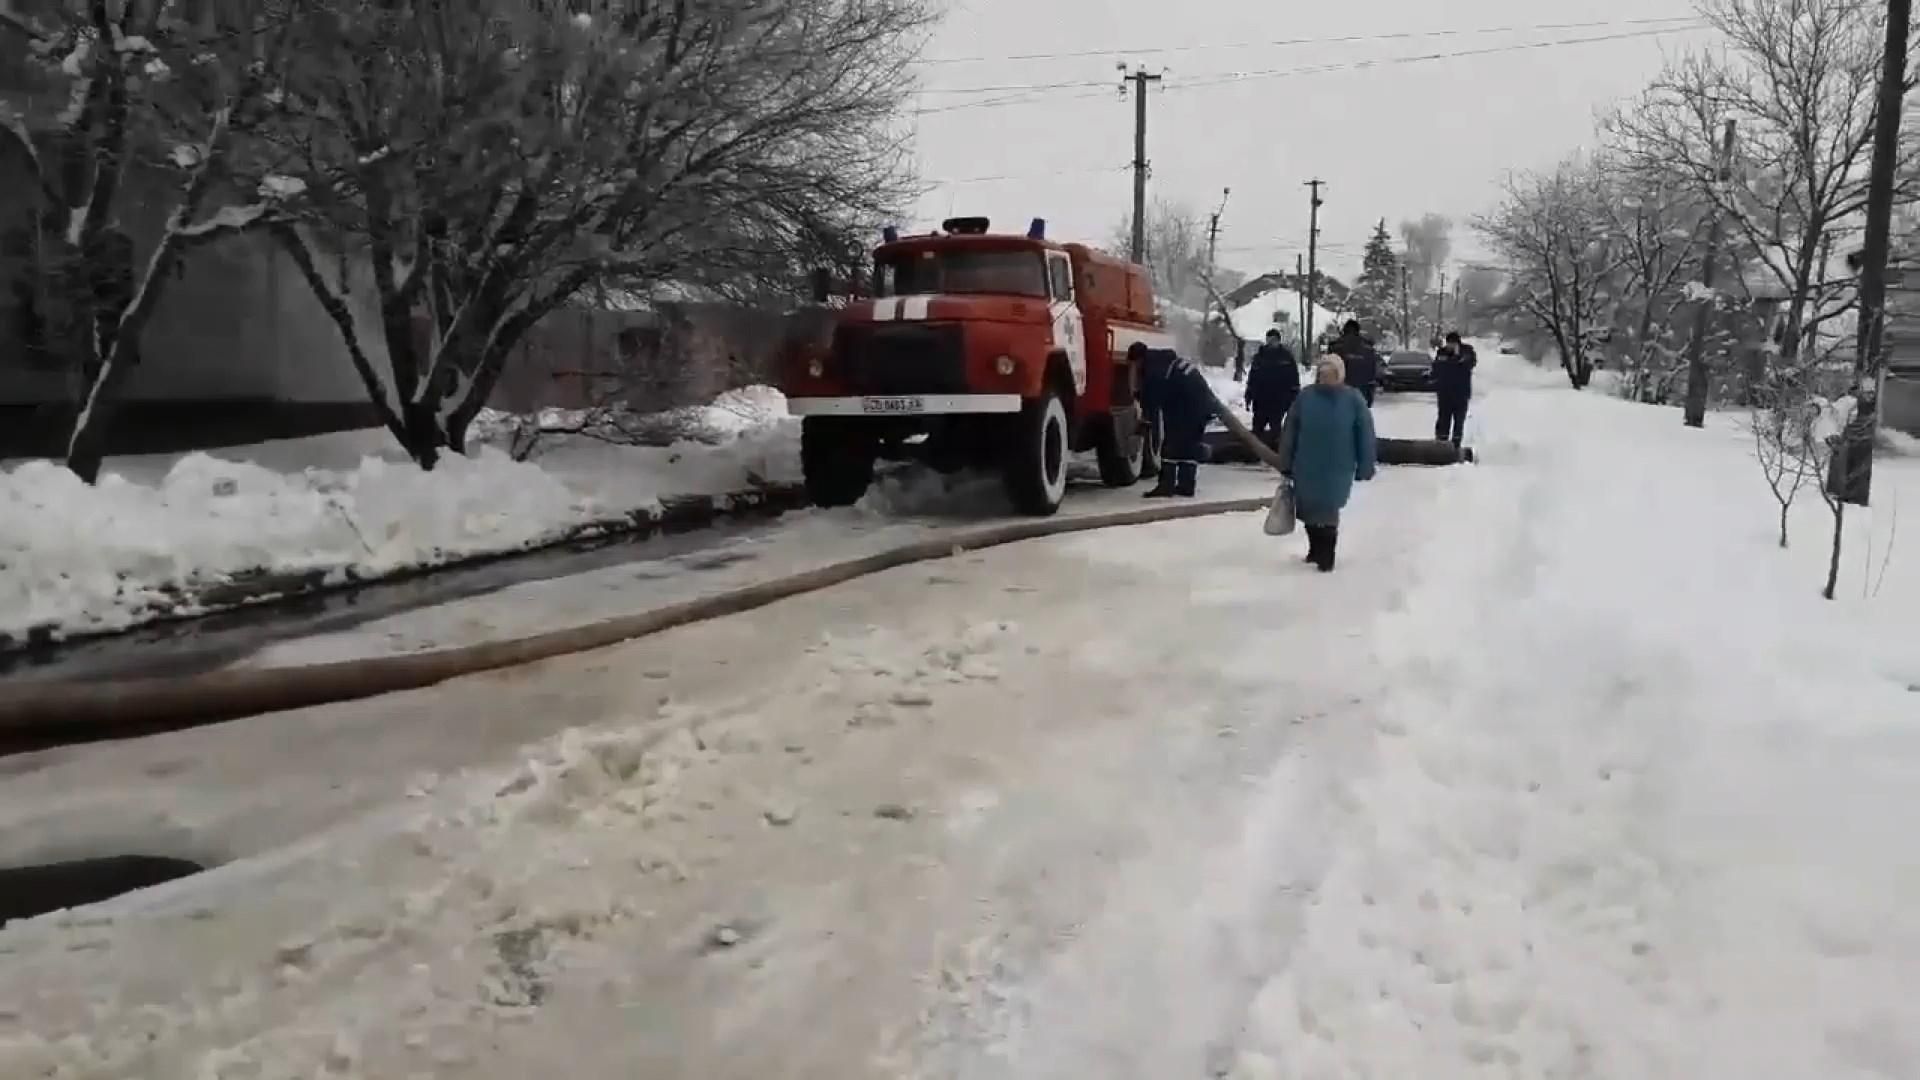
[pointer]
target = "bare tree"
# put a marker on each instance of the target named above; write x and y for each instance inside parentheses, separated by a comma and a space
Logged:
(1657, 223)
(1800, 77)
(1551, 232)
(1797, 427)
(127, 107)
(487, 163)
(1176, 256)
(1783, 437)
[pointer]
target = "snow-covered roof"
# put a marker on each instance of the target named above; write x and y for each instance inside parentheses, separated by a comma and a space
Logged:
(1255, 317)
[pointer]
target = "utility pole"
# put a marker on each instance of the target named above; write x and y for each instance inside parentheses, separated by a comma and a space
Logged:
(1440, 306)
(1869, 360)
(1459, 312)
(1313, 254)
(1300, 306)
(1213, 228)
(1213, 295)
(1139, 78)
(1695, 414)
(1406, 312)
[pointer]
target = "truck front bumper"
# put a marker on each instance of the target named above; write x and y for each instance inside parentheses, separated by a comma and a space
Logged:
(904, 405)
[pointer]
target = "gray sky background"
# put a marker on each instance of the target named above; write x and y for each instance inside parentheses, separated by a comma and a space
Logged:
(1395, 140)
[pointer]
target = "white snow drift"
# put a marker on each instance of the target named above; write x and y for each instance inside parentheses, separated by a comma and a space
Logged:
(158, 530)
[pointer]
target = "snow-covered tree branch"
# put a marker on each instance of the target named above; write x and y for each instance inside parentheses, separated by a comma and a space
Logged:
(1552, 233)
(1798, 77)
(488, 164)
(126, 105)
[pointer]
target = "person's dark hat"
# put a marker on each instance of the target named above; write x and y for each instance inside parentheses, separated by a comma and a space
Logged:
(1137, 352)
(1453, 336)
(1273, 334)
(1352, 327)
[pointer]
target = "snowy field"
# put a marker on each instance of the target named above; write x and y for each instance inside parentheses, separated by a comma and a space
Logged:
(1567, 771)
(160, 529)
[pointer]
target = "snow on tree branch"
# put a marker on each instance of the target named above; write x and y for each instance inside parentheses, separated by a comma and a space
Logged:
(488, 168)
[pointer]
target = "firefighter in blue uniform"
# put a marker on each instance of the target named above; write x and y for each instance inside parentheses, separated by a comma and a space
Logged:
(1174, 394)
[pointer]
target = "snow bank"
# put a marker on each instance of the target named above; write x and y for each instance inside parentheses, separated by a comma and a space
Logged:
(158, 532)
(1638, 799)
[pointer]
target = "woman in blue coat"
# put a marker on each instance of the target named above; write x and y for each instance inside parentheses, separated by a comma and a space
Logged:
(1325, 445)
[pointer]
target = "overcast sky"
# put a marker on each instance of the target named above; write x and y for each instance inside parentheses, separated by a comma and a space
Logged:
(1395, 140)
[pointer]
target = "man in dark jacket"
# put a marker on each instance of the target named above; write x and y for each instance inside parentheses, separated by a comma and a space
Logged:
(1175, 395)
(1362, 362)
(1452, 388)
(1271, 387)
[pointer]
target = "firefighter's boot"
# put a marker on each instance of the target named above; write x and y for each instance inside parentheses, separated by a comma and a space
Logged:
(1187, 479)
(1164, 489)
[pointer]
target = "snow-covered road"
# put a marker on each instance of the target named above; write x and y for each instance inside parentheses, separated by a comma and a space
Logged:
(1564, 773)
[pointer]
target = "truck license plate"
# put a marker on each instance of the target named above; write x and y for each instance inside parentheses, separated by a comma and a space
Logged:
(893, 406)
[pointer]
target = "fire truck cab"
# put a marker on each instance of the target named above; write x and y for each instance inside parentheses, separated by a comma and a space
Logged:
(980, 349)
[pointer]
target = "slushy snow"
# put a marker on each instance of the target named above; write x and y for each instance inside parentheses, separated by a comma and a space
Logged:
(1567, 771)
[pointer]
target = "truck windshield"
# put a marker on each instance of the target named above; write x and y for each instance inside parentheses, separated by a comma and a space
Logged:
(1021, 273)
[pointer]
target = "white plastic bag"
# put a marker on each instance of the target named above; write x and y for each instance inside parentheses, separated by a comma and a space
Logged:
(1281, 517)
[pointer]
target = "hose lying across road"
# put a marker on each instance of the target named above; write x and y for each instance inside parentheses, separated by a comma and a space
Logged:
(36, 716)
(39, 715)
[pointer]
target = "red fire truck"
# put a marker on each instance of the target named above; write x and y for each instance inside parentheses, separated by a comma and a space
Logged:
(978, 349)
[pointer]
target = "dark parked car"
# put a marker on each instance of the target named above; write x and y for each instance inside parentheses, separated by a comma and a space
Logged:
(1408, 369)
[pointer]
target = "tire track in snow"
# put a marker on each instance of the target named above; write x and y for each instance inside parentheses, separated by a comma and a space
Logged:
(1157, 979)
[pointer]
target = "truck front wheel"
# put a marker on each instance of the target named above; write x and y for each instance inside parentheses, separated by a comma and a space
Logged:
(1036, 473)
(1151, 437)
(836, 458)
(1122, 452)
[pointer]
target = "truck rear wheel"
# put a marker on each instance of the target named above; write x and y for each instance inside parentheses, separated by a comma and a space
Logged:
(836, 459)
(1121, 458)
(1036, 472)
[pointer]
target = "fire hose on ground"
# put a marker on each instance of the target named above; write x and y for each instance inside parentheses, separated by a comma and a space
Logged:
(36, 716)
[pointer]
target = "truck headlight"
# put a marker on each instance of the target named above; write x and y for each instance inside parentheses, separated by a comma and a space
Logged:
(1004, 365)
(816, 369)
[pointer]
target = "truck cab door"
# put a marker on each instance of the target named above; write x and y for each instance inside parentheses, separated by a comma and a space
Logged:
(1069, 328)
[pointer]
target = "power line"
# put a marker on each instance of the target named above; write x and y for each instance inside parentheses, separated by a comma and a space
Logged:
(1038, 92)
(1028, 176)
(1288, 42)
(1685, 23)
(1392, 61)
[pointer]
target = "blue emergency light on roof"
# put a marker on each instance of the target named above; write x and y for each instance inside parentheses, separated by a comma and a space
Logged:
(1037, 230)
(889, 234)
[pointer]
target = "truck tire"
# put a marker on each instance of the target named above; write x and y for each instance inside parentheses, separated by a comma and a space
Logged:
(1036, 472)
(836, 460)
(1120, 465)
(1151, 439)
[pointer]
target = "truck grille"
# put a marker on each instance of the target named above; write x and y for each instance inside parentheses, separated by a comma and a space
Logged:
(900, 359)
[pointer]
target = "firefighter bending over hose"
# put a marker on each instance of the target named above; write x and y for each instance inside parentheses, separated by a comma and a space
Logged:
(1176, 395)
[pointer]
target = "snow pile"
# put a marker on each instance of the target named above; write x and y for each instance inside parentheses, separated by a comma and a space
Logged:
(158, 533)
(82, 557)
(1899, 443)
(734, 413)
